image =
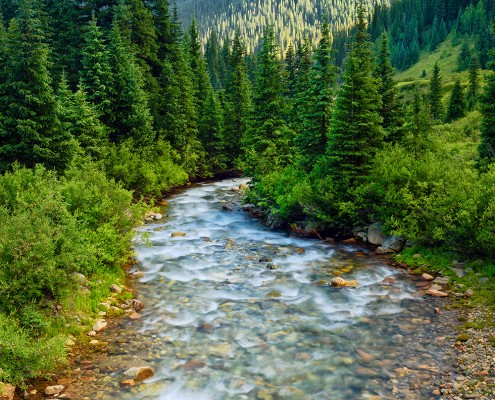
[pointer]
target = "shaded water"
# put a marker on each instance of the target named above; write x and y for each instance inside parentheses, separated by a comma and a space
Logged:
(236, 311)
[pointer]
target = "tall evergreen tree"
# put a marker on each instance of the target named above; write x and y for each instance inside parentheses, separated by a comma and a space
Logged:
(457, 104)
(268, 141)
(356, 131)
(311, 141)
(390, 110)
(435, 95)
(419, 121)
(238, 102)
(32, 132)
(486, 148)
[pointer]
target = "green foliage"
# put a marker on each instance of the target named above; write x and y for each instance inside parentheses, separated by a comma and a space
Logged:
(457, 105)
(487, 107)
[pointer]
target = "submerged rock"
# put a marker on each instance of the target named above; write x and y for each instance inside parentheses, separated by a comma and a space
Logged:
(178, 234)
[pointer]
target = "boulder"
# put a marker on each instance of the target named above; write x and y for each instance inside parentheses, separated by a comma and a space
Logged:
(139, 373)
(340, 282)
(393, 244)
(56, 389)
(375, 233)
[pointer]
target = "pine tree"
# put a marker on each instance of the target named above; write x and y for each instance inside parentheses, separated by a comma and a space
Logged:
(132, 117)
(435, 95)
(464, 57)
(238, 102)
(356, 131)
(457, 104)
(486, 149)
(32, 132)
(390, 110)
(96, 74)
(311, 140)
(419, 121)
(268, 141)
(474, 84)
(81, 119)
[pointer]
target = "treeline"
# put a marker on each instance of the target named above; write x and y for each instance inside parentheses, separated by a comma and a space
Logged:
(290, 19)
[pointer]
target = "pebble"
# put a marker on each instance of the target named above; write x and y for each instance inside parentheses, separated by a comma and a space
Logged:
(427, 277)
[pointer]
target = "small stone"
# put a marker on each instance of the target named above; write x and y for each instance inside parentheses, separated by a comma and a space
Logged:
(340, 282)
(459, 272)
(115, 288)
(128, 382)
(79, 278)
(91, 333)
(139, 373)
(135, 315)
(56, 389)
(442, 280)
(380, 250)
(193, 364)
(99, 325)
(366, 357)
(427, 277)
(178, 234)
(220, 350)
(94, 343)
(469, 293)
(157, 216)
(436, 293)
(416, 256)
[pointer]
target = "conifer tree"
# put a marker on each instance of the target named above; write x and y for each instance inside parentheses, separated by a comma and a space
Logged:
(32, 132)
(419, 121)
(130, 110)
(435, 95)
(81, 119)
(457, 104)
(474, 84)
(356, 131)
(96, 74)
(311, 140)
(390, 110)
(464, 57)
(268, 141)
(486, 149)
(237, 102)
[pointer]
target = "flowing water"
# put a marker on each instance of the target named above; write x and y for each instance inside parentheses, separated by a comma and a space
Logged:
(237, 311)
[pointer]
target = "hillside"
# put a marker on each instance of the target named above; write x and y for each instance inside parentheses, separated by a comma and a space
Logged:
(290, 18)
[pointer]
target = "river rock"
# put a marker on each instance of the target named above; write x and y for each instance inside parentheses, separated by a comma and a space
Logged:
(436, 293)
(178, 234)
(441, 280)
(157, 216)
(128, 382)
(7, 391)
(375, 233)
(99, 325)
(139, 373)
(340, 282)
(115, 288)
(469, 293)
(79, 278)
(220, 350)
(393, 244)
(427, 277)
(366, 357)
(56, 389)
(133, 303)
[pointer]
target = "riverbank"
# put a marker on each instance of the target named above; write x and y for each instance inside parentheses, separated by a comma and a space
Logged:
(415, 364)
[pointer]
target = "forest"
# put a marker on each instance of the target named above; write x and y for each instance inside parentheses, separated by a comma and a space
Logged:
(105, 104)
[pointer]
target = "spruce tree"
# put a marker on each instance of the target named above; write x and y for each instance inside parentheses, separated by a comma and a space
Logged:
(486, 149)
(96, 74)
(356, 131)
(32, 132)
(390, 110)
(474, 84)
(267, 144)
(311, 140)
(419, 121)
(457, 104)
(435, 95)
(237, 102)
(464, 57)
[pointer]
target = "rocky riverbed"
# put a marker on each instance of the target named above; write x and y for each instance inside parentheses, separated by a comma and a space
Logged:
(236, 311)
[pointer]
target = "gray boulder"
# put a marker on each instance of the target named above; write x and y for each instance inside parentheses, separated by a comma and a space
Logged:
(375, 234)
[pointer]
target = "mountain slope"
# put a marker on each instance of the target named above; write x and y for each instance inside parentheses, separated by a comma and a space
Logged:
(290, 18)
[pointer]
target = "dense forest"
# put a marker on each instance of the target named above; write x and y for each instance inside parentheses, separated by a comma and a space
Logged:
(105, 102)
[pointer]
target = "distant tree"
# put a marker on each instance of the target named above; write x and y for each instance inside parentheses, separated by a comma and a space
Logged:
(474, 84)
(457, 104)
(464, 57)
(418, 121)
(356, 131)
(435, 95)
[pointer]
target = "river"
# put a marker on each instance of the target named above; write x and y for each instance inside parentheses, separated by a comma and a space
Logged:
(237, 311)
